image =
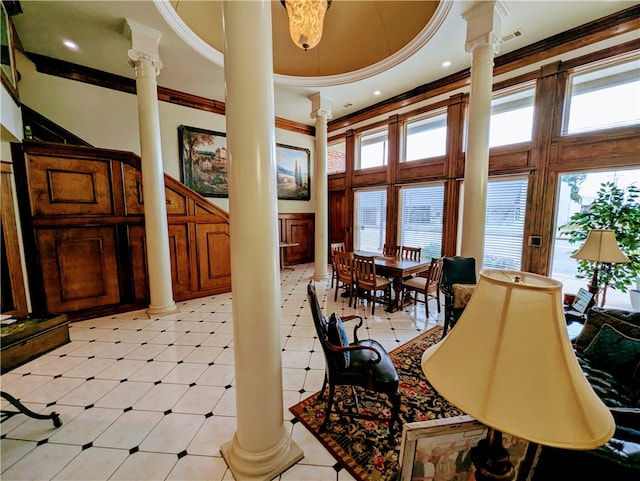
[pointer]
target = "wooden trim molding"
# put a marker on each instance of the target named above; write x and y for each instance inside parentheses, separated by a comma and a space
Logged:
(71, 71)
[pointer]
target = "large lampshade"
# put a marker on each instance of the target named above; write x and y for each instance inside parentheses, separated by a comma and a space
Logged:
(509, 363)
(306, 19)
(601, 246)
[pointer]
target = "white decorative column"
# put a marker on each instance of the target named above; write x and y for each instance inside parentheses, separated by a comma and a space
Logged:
(144, 57)
(483, 38)
(321, 112)
(261, 448)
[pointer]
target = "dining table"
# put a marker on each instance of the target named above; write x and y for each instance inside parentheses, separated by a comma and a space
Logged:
(396, 269)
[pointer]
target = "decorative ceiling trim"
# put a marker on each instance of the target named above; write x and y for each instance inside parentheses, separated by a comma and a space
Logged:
(207, 51)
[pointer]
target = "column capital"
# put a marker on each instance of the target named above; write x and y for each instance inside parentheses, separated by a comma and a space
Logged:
(144, 45)
(320, 106)
(484, 23)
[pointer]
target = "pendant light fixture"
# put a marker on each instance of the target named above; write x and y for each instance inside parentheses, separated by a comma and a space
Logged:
(306, 19)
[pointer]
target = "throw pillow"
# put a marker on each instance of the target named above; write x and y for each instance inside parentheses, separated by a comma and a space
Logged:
(337, 335)
(614, 351)
(626, 322)
(461, 294)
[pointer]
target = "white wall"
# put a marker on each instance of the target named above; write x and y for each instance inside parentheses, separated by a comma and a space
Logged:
(109, 119)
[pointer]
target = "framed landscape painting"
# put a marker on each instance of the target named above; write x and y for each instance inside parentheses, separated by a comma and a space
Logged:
(440, 449)
(204, 166)
(293, 164)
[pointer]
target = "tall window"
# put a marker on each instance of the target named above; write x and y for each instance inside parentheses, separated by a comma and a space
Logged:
(512, 118)
(426, 138)
(421, 213)
(336, 157)
(504, 227)
(371, 220)
(373, 149)
(604, 98)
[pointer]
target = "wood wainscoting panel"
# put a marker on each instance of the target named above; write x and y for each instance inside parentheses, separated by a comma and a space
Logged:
(214, 256)
(138, 249)
(298, 229)
(70, 186)
(79, 267)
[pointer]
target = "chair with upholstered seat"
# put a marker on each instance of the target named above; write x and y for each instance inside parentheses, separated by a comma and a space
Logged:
(367, 282)
(428, 286)
(361, 364)
(411, 253)
(457, 285)
(343, 262)
(391, 250)
(335, 247)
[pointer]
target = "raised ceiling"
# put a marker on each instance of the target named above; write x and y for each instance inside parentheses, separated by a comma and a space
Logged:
(356, 35)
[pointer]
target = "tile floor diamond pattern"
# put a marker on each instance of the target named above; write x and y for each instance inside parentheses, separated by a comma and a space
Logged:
(153, 399)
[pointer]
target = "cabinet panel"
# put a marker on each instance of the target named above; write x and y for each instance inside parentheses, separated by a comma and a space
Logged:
(70, 186)
(214, 255)
(79, 267)
(298, 229)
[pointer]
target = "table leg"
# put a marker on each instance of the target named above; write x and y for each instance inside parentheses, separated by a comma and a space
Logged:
(394, 305)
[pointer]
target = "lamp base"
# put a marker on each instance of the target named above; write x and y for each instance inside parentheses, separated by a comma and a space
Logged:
(491, 459)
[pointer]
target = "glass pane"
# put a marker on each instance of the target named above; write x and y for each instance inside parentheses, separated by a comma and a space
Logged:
(373, 150)
(371, 221)
(604, 98)
(576, 192)
(336, 158)
(504, 228)
(511, 118)
(421, 219)
(426, 138)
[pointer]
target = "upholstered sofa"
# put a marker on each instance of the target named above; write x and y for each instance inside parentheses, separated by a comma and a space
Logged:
(608, 350)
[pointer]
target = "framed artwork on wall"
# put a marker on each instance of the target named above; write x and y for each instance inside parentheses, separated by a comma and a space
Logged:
(293, 164)
(204, 166)
(439, 449)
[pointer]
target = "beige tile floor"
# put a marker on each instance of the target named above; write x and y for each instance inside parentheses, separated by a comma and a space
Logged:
(153, 399)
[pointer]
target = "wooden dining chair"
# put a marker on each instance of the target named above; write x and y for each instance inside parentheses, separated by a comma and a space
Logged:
(343, 262)
(428, 286)
(391, 251)
(411, 253)
(367, 283)
(335, 247)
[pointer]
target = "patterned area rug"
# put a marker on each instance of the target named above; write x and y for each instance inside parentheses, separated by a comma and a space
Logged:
(362, 446)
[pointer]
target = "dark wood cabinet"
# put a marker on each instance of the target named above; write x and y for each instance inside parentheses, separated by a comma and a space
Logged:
(297, 229)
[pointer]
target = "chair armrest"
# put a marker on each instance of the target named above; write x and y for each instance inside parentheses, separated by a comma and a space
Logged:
(356, 327)
(356, 347)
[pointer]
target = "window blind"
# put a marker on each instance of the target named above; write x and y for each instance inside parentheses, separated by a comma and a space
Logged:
(371, 222)
(421, 219)
(504, 228)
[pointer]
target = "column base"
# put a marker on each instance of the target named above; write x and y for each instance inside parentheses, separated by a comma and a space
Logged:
(157, 311)
(321, 276)
(264, 466)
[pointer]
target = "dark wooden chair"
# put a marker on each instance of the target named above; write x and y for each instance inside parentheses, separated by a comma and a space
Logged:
(367, 282)
(361, 364)
(335, 247)
(391, 251)
(411, 253)
(455, 271)
(343, 262)
(428, 286)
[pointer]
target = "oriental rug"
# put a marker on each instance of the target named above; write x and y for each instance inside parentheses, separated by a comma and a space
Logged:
(362, 446)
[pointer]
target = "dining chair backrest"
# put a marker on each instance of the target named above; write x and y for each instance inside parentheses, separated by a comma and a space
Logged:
(435, 272)
(411, 253)
(337, 247)
(391, 251)
(364, 272)
(343, 266)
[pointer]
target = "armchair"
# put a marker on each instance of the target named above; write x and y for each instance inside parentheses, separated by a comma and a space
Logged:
(458, 280)
(361, 364)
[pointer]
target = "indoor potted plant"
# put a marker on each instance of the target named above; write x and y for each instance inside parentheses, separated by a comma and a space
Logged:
(617, 209)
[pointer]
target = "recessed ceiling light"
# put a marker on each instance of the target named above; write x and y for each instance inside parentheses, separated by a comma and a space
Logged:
(70, 44)
(446, 63)
(376, 93)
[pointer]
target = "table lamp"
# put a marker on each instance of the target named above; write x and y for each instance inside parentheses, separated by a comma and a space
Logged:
(509, 363)
(600, 247)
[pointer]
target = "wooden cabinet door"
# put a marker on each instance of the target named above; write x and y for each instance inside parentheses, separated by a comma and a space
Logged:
(214, 255)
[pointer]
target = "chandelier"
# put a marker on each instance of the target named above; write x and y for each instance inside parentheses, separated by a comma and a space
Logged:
(306, 18)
